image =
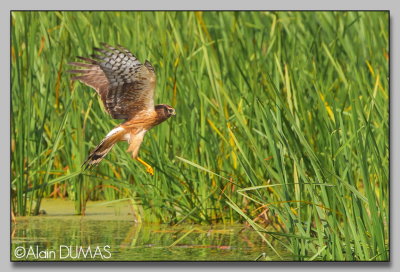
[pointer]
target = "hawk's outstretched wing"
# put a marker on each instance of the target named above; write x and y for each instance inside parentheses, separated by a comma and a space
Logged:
(125, 86)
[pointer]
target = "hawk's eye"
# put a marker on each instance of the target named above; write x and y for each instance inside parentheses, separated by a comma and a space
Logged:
(171, 111)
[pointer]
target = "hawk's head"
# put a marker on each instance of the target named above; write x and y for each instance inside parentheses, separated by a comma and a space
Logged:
(164, 112)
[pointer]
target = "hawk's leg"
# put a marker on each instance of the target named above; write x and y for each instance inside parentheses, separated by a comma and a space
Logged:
(149, 169)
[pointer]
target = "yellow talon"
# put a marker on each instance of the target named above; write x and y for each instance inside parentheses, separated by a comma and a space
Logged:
(149, 169)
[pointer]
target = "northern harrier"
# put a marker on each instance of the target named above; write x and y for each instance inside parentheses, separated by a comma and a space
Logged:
(126, 88)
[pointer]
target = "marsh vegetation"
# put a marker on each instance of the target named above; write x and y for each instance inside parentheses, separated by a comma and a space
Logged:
(282, 123)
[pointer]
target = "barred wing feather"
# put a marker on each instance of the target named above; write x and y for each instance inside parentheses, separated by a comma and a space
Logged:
(125, 86)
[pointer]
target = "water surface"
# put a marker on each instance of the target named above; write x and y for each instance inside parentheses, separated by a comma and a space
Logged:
(112, 233)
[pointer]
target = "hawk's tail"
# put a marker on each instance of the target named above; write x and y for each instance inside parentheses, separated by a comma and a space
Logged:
(104, 147)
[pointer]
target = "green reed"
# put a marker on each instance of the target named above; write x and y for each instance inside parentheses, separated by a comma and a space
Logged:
(282, 122)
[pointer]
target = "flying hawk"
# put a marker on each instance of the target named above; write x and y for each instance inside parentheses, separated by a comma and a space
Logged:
(126, 88)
